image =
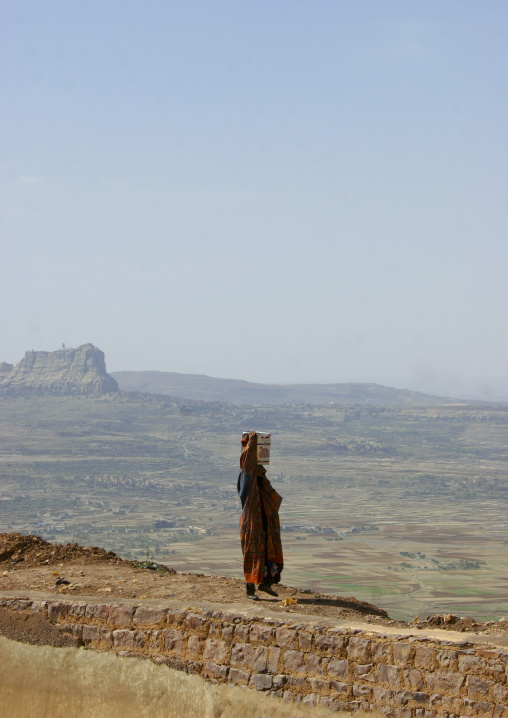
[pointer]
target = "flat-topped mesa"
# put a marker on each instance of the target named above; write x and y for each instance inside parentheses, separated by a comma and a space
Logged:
(64, 372)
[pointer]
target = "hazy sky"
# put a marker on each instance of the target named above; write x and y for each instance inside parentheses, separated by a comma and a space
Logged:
(277, 191)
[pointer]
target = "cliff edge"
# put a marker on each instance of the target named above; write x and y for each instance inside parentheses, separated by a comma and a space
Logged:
(64, 372)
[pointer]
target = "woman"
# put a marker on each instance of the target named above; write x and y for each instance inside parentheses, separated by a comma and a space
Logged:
(259, 523)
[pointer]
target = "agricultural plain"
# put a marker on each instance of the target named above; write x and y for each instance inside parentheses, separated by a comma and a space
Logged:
(404, 507)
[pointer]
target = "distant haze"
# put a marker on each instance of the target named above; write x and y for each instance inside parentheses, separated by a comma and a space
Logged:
(192, 386)
(278, 193)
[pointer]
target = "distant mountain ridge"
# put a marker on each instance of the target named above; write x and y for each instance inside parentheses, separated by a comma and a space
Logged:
(64, 372)
(205, 388)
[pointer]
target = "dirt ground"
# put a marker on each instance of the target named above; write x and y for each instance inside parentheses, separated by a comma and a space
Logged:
(31, 564)
(32, 628)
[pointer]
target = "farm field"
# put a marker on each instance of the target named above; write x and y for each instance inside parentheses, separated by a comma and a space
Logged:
(404, 507)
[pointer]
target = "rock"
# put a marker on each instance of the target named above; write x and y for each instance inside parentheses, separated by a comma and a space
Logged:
(216, 670)
(123, 637)
(294, 661)
(450, 618)
(358, 648)
(447, 682)
(215, 650)
(194, 621)
(5, 369)
(90, 633)
(261, 682)
(273, 660)
(64, 372)
(330, 644)
(315, 663)
(194, 645)
(236, 676)
(172, 640)
(260, 633)
(401, 652)
(388, 674)
(147, 616)
(121, 615)
(305, 641)
(424, 658)
(338, 668)
(286, 638)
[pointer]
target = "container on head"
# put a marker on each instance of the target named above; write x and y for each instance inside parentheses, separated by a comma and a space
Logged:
(264, 440)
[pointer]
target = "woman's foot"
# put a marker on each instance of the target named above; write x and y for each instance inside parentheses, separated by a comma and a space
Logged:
(251, 591)
(267, 589)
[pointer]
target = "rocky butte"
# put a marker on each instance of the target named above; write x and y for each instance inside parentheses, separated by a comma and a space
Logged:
(64, 372)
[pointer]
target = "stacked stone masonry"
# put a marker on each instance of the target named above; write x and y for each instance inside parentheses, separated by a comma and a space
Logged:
(340, 668)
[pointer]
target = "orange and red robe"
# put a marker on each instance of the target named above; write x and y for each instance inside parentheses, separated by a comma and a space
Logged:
(259, 546)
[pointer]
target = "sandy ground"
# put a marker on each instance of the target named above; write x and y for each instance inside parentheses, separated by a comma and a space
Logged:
(31, 566)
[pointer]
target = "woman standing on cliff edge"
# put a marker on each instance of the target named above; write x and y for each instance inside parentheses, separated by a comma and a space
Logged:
(259, 523)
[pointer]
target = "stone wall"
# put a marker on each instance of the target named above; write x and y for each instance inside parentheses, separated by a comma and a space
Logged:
(343, 669)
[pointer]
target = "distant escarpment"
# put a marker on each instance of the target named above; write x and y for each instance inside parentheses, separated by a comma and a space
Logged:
(205, 388)
(60, 373)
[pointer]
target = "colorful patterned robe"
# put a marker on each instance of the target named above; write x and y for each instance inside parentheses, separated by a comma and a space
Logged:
(258, 548)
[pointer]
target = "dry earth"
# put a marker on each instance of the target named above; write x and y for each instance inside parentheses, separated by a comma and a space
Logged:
(32, 628)
(31, 564)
